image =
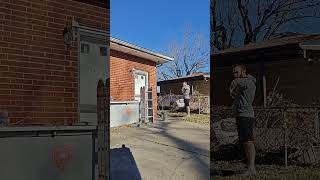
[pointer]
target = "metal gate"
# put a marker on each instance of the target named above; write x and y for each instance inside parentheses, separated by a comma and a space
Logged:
(103, 115)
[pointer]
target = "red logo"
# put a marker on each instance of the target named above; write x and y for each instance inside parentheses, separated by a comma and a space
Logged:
(129, 111)
(61, 156)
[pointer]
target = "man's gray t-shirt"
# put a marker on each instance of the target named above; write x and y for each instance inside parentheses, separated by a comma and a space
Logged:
(186, 92)
(245, 93)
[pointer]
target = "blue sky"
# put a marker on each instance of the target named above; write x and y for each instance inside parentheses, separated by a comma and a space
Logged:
(154, 24)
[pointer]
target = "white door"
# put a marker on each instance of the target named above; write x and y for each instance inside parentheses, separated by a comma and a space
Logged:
(140, 80)
(93, 66)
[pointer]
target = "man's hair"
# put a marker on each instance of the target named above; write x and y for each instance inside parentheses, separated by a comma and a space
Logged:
(243, 67)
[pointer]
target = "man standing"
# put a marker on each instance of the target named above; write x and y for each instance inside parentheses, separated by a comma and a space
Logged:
(186, 91)
(3, 117)
(242, 90)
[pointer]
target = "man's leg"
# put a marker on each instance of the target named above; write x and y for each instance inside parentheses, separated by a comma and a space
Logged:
(186, 102)
(245, 130)
(250, 154)
(188, 111)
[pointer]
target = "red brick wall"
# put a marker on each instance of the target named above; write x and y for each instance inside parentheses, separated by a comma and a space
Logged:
(122, 80)
(38, 81)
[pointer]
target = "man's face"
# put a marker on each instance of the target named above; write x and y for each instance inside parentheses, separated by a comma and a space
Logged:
(237, 72)
(184, 83)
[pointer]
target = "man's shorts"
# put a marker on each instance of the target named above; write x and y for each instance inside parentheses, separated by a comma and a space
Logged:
(245, 128)
(186, 102)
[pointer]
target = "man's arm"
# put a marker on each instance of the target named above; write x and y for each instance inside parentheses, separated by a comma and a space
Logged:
(240, 83)
(232, 89)
(236, 85)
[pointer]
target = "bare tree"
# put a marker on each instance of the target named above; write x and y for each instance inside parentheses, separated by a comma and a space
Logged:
(224, 23)
(192, 55)
(257, 20)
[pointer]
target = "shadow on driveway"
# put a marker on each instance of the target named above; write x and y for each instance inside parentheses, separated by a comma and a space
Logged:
(122, 165)
(200, 167)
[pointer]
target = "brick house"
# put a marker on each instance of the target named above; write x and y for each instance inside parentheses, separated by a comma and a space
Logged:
(198, 82)
(132, 67)
(53, 52)
(287, 59)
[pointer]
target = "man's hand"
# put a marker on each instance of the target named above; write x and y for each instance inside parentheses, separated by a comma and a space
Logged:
(232, 89)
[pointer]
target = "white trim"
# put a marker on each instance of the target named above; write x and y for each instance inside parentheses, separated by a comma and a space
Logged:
(126, 47)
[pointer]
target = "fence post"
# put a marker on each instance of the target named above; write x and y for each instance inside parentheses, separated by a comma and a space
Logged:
(316, 123)
(285, 137)
(199, 103)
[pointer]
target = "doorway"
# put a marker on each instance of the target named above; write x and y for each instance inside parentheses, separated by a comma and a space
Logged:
(140, 80)
(94, 65)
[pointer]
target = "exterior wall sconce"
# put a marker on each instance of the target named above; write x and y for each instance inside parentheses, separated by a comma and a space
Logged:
(70, 34)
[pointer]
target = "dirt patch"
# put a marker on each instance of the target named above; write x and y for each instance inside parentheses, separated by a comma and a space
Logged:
(119, 128)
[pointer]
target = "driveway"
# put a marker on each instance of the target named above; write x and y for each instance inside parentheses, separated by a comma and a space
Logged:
(171, 149)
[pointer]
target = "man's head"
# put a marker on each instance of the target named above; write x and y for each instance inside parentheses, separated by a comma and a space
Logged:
(184, 83)
(239, 71)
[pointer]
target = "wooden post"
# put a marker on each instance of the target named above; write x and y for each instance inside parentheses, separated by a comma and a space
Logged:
(264, 81)
(285, 138)
(103, 104)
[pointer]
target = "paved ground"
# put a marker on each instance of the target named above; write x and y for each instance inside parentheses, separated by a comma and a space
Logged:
(172, 149)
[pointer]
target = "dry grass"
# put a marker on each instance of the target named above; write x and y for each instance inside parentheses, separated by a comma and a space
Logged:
(196, 118)
(269, 172)
(119, 128)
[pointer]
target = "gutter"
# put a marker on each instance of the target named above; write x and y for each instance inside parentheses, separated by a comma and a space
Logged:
(309, 46)
(186, 78)
(139, 51)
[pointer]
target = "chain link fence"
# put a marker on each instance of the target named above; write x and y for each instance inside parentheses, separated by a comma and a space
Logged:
(287, 134)
(198, 103)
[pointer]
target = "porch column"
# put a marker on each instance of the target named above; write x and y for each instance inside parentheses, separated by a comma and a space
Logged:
(263, 81)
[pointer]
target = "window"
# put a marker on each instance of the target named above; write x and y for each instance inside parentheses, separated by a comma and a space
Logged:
(85, 48)
(103, 51)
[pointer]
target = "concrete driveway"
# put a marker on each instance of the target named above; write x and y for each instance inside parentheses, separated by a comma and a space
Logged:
(171, 149)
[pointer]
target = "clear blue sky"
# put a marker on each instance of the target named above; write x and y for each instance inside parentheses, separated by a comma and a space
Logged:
(154, 24)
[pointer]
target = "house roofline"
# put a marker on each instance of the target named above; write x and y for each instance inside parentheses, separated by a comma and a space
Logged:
(268, 44)
(185, 78)
(310, 45)
(123, 46)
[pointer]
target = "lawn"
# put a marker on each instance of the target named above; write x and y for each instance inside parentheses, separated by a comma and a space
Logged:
(268, 171)
(196, 118)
